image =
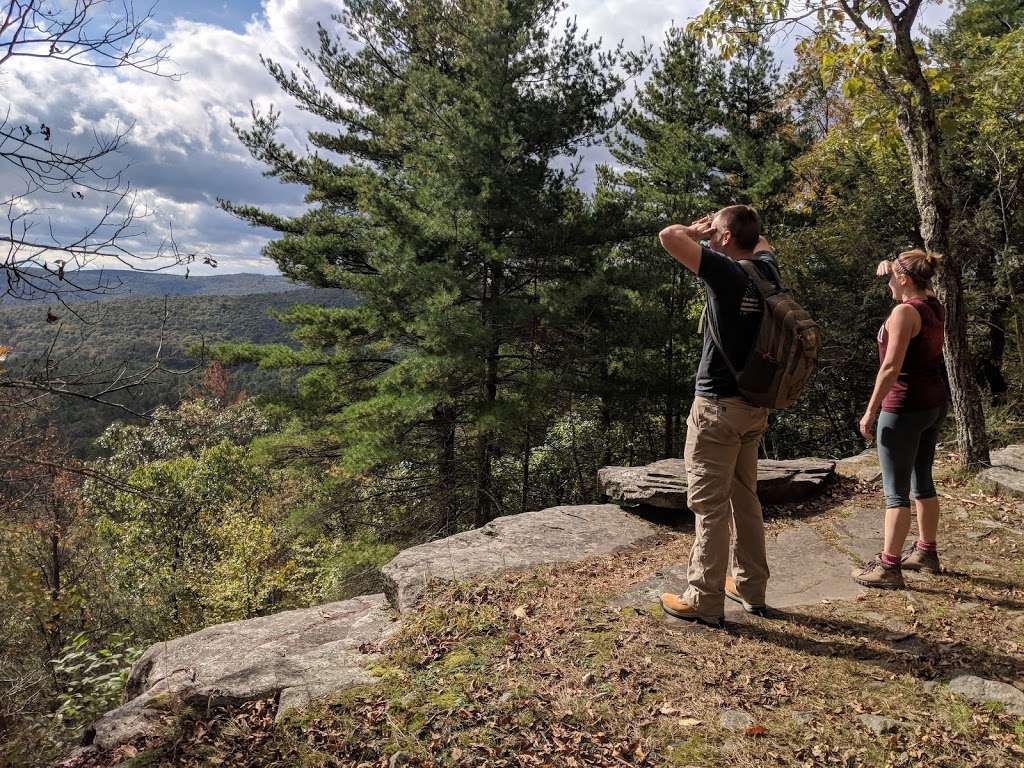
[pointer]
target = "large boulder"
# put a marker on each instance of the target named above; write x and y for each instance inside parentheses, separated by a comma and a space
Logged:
(663, 483)
(295, 655)
(558, 534)
(1006, 475)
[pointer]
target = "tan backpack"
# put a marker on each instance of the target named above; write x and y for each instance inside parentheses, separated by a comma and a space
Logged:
(784, 355)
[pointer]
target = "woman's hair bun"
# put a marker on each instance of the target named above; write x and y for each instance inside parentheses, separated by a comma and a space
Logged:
(919, 265)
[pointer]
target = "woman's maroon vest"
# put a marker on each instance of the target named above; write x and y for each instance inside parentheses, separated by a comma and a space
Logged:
(921, 383)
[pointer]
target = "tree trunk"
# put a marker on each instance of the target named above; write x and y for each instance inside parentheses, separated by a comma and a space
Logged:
(671, 388)
(54, 631)
(916, 120)
(668, 450)
(444, 418)
(992, 365)
(527, 439)
(484, 509)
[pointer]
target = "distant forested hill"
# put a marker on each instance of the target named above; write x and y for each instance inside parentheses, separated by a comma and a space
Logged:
(103, 335)
(112, 284)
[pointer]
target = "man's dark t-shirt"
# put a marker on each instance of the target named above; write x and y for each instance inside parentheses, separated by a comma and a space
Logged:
(735, 305)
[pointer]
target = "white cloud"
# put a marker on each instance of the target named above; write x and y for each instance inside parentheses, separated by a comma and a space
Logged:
(182, 152)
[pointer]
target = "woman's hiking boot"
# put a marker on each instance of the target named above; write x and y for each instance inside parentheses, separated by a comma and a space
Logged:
(879, 575)
(921, 560)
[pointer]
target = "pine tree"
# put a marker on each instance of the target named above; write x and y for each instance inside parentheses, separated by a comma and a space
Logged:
(760, 139)
(668, 152)
(436, 198)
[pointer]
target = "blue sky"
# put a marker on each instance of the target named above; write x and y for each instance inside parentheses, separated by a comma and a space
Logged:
(183, 154)
(231, 15)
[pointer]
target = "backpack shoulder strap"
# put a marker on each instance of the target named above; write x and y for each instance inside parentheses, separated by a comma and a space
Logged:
(766, 287)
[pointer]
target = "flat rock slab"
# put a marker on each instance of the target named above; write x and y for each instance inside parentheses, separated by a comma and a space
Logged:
(864, 467)
(1006, 475)
(298, 655)
(805, 567)
(663, 483)
(861, 533)
(558, 534)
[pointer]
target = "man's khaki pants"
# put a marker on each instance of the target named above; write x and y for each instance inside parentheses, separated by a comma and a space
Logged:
(721, 473)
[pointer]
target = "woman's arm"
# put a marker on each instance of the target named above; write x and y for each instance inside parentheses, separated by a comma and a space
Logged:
(903, 324)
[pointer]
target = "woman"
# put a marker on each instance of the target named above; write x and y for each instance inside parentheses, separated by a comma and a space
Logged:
(909, 401)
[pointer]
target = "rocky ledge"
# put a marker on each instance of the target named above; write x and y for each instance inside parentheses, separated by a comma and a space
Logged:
(663, 483)
(551, 535)
(294, 655)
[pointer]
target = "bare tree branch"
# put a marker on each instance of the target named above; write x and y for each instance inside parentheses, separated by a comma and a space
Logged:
(91, 33)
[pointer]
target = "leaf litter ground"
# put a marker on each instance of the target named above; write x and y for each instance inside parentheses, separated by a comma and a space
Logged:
(536, 669)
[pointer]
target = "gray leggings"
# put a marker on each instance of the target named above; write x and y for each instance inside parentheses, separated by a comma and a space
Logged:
(906, 451)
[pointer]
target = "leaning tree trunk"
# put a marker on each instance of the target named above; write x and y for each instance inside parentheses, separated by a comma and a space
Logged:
(918, 126)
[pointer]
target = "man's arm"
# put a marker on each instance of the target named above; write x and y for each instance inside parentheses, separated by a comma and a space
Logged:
(683, 243)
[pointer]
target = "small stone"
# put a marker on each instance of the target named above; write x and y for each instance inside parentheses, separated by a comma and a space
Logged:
(981, 690)
(930, 685)
(880, 725)
(967, 606)
(802, 718)
(505, 698)
(398, 759)
(589, 679)
(735, 720)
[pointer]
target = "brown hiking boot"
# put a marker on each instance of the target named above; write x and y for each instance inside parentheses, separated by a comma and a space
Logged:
(919, 560)
(876, 574)
(734, 594)
(674, 605)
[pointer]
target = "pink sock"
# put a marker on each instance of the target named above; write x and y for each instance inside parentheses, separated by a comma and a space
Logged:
(890, 560)
(925, 546)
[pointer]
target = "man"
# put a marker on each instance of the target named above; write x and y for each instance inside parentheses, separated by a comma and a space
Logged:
(723, 430)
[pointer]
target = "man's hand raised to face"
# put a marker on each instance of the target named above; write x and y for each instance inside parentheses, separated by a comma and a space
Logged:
(702, 228)
(684, 242)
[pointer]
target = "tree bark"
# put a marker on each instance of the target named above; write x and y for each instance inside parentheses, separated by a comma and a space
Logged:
(918, 126)
(444, 418)
(484, 509)
(668, 450)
